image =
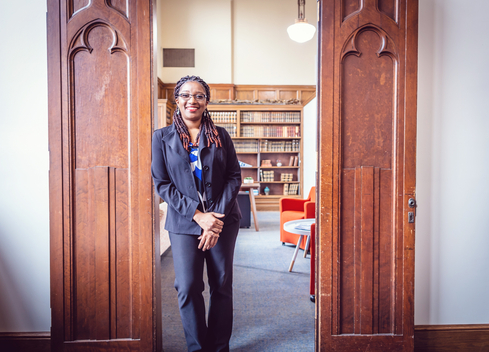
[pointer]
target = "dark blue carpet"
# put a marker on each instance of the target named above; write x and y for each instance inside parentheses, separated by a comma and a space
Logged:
(272, 310)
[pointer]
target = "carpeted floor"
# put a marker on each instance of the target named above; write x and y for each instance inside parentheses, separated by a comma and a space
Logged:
(272, 310)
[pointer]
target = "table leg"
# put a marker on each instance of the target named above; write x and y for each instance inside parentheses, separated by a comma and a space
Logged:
(308, 241)
(253, 209)
(295, 253)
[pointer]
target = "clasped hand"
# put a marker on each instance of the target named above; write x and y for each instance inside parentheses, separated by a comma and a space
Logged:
(211, 227)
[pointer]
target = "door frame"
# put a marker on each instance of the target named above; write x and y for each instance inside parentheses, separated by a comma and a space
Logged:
(325, 167)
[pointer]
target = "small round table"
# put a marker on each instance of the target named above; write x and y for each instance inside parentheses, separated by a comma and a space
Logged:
(302, 228)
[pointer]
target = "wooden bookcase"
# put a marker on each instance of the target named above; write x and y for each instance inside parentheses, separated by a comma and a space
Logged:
(265, 132)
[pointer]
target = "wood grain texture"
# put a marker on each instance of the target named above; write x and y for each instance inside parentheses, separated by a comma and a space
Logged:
(349, 7)
(101, 93)
(366, 144)
(25, 341)
(448, 338)
(389, 7)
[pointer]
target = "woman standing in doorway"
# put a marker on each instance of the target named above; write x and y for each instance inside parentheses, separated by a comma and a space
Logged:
(196, 171)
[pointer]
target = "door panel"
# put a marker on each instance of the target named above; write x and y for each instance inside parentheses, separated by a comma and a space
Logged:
(103, 255)
(367, 104)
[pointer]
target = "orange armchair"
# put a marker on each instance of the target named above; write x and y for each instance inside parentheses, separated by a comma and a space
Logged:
(295, 209)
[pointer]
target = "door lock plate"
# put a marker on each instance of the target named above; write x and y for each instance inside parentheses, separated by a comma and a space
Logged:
(411, 217)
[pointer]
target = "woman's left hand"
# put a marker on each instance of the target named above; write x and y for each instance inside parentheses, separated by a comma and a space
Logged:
(208, 239)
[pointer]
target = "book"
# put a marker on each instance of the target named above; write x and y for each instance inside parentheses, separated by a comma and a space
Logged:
(243, 164)
(303, 227)
(293, 189)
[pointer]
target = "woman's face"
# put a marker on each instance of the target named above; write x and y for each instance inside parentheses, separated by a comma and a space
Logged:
(191, 109)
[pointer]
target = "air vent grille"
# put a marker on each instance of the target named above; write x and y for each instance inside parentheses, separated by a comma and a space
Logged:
(178, 57)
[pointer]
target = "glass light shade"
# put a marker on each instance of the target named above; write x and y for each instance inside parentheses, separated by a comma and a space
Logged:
(301, 31)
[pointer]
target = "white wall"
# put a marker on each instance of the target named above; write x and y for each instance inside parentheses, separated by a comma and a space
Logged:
(452, 232)
(203, 25)
(263, 53)
(238, 41)
(309, 157)
(24, 162)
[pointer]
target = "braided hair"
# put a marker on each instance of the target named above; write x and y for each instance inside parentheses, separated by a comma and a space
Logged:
(207, 124)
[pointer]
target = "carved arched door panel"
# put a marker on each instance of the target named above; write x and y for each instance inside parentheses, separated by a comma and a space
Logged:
(367, 105)
(103, 263)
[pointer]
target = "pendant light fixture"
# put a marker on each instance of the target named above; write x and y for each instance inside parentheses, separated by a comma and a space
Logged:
(301, 31)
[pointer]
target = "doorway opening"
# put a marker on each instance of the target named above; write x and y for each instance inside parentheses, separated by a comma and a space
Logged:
(241, 48)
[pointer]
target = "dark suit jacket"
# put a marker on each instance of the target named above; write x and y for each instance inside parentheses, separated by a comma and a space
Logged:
(174, 180)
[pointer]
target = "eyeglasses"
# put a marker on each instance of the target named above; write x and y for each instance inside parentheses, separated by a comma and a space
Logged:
(198, 97)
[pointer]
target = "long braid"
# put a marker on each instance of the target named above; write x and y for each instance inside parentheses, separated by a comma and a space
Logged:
(207, 124)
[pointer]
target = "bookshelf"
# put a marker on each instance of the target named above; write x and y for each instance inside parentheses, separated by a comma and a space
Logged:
(263, 136)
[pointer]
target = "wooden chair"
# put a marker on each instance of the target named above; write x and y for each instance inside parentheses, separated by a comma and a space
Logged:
(295, 209)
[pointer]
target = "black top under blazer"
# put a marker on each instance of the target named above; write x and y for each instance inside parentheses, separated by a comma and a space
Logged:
(174, 180)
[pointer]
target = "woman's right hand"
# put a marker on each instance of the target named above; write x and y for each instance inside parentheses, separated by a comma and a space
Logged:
(209, 221)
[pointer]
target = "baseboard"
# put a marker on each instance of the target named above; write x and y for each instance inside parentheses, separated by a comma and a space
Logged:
(445, 338)
(25, 341)
(427, 338)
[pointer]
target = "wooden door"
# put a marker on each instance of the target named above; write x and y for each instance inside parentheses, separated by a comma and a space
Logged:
(103, 257)
(367, 131)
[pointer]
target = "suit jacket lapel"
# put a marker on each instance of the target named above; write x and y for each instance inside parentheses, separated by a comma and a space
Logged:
(202, 141)
(172, 139)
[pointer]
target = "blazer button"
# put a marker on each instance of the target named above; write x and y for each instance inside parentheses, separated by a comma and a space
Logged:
(208, 184)
(210, 201)
(206, 168)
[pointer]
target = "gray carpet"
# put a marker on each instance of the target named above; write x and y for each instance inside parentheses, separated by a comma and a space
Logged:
(272, 310)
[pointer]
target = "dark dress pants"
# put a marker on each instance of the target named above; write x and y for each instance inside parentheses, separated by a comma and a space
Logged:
(188, 261)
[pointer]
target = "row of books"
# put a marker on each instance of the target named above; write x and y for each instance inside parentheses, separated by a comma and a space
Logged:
(280, 146)
(270, 131)
(267, 176)
(291, 189)
(270, 116)
(224, 116)
(231, 128)
(246, 146)
(286, 177)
